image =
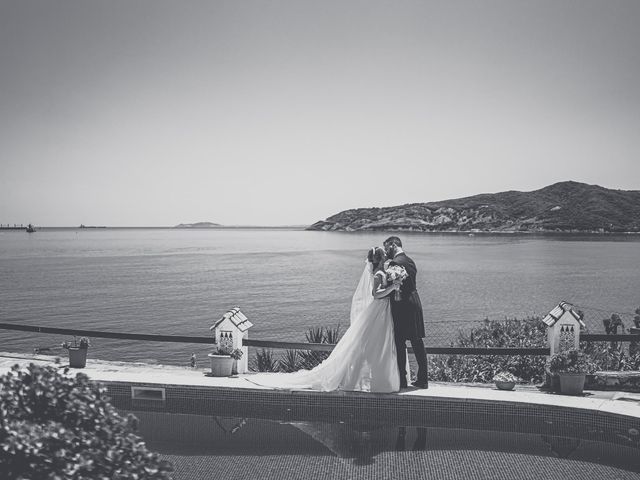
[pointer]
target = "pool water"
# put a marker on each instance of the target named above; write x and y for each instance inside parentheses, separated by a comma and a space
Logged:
(203, 447)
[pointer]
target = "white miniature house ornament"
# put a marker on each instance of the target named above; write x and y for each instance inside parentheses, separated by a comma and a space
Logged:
(563, 328)
(229, 333)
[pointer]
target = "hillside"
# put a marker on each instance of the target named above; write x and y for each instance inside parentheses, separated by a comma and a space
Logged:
(561, 207)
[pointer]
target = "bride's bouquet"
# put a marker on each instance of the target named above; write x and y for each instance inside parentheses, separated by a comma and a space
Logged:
(396, 274)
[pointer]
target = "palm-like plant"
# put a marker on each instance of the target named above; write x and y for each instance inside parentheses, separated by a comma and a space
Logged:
(289, 362)
(264, 362)
(294, 360)
(328, 335)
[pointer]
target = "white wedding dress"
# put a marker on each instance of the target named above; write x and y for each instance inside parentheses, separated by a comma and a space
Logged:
(363, 360)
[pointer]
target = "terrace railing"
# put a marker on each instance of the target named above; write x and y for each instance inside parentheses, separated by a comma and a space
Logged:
(299, 345)
(305, 345)
(251, 342)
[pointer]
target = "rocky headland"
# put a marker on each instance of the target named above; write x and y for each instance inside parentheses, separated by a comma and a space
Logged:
(561, 207)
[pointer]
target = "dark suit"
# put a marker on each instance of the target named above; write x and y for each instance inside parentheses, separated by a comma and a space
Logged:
(408, 321)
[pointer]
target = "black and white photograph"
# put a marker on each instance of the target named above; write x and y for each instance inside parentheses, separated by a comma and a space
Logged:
(337, 239)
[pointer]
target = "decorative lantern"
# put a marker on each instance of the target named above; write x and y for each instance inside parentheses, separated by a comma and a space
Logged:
(229, 332)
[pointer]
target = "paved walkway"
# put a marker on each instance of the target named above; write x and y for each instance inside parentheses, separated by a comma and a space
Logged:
(622, 403)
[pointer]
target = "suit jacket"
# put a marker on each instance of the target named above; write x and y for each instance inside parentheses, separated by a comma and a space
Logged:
(408, 320)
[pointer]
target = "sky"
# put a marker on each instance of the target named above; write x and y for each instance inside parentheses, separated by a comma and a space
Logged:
(284, 112)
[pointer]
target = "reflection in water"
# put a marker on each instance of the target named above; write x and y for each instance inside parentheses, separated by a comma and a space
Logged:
(227, 428)
(361, 443)
(344, 441)
(419, 443)
(198, 443)
(561, 446)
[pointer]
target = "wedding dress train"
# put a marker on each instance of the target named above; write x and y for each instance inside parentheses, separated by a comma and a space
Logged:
(363, 360)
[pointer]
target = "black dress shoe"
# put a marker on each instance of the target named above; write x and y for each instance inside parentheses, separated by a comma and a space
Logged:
(420, 384)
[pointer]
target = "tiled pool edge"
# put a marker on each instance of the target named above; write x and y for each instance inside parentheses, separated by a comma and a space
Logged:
(354, 407)
(189, 391)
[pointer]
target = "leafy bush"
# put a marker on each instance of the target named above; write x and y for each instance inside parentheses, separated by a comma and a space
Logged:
(83, 343)
(236, 354)
(52, 426)
(505, 377)
(571, 361)
(612, 356)
(514, 333)
(449, 368)
(527, 333)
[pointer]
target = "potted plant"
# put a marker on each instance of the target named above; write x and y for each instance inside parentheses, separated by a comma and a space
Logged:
(552, 380)
(505, 380)
(222, 361)
(77, 351)
(571, 367)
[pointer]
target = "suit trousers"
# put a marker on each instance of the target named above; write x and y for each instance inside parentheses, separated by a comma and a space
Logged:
(421, 358)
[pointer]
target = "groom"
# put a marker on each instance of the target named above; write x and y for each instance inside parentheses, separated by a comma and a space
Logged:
(408, 323)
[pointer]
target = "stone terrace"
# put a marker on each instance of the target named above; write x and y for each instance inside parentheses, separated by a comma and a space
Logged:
(129, 373)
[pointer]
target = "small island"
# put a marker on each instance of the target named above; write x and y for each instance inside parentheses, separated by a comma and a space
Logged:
(198, 225)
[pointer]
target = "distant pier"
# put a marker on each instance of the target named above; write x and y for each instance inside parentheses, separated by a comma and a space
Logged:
(29, 228)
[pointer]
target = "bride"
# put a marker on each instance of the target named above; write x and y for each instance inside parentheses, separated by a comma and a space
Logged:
(365, 357)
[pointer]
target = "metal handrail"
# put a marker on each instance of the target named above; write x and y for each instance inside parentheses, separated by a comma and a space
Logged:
(606, 337)
(102, 334)
(432, 350)
(326, 347)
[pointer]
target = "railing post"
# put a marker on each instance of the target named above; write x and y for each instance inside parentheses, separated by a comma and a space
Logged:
(243, 363)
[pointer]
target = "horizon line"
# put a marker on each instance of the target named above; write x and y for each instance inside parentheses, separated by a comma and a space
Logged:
(94, 227)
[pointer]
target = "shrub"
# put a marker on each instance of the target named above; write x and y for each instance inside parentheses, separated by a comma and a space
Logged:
(315, 334)
(293, 360)
(312, 358)
(236, 354)
(530, 332)
(332, 334)
(52, 426)
(83, 343)
(571, 361)
(612, 356)
(527, 333)
(505, 377)
(264, 361)
(289, 362)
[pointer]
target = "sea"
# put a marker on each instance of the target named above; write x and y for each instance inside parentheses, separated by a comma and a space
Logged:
(286, 280)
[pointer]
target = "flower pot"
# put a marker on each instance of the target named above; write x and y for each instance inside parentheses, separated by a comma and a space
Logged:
(572, 383)
(551, 381)
(505, 385)
(77, 357)
(221, 365)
